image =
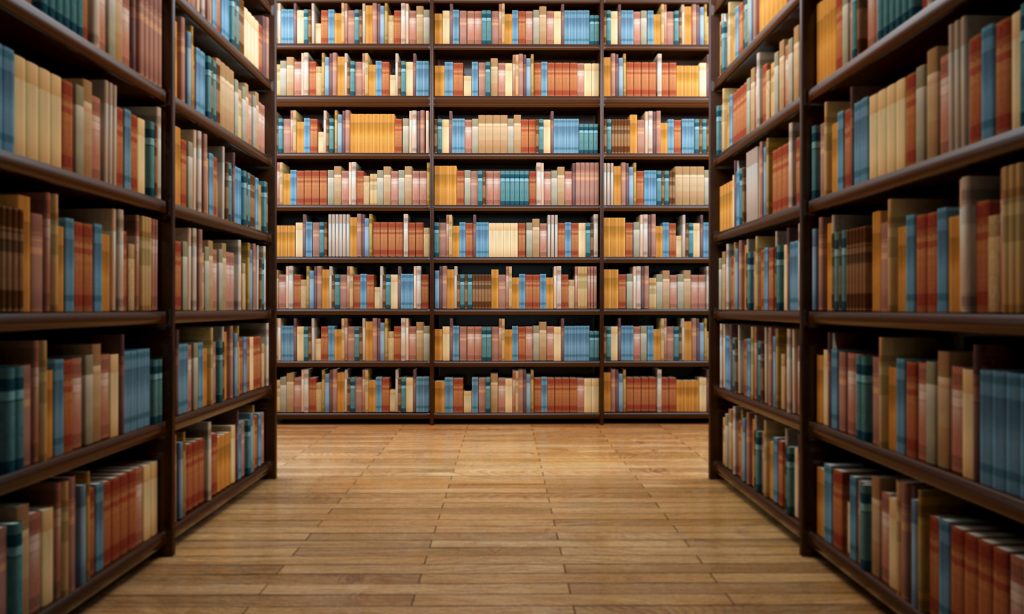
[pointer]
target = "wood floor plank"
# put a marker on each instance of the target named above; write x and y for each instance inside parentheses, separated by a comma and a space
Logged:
(496, 518)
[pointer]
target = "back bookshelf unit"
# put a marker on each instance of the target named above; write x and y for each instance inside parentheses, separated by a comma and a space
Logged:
(452, 350)
(129, 270)
(884, 430)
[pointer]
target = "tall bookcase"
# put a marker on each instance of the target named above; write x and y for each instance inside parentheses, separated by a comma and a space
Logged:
(597, 108)
(53, 44)
(823, 326)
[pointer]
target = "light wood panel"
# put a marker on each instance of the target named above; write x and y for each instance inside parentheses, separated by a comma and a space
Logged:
(545, 519)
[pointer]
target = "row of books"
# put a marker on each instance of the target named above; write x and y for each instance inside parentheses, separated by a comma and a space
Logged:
(653, 393)
(515, 134)
(351, 185)
(339, 339)
(846, 28)
(58, 397)
(765, 181)
(627, 185)
(686, 339)
(958, 409)
(58, 534)
(965, 91)
(211, 456)
(927, 255)
(348, 132)
(208, 179)
(764, 454)
(218, 363)
(539, 26)
(651, 134)
(646, 236)
(77, 260)
(353, 234)
(341, 391)
(507, 290)
(330, 287)
(575, 185)
(214, 275)
(773, 84)
(636, 288)
(623, 77)
(686, 25)
(761, 273)
(523, 392)
(934, 551)
(77, 125)
(129, 31)
(206, 83)
(341, 75)
(740, 22)
(535, 342)
(533, 239)
(365, 24)
(523, 75)
(249, 33)
(761, 363)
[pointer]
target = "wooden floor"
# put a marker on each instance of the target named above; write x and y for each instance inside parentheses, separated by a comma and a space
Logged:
(488, 518)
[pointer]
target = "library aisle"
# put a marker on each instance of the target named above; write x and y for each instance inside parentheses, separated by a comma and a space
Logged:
(482, 518)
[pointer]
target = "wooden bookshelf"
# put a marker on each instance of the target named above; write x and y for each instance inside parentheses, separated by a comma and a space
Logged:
(598, 107)
(892, 56)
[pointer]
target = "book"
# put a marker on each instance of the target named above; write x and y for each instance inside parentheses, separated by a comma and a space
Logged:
(340, 75)
(351, 391)
(218, 363)
(522, 392)
(625, 77)
(540, 26)
(760, 363)
(215, 275)
(534, 239)
(515, 134)
(648, 236)
(352, 235)
(348, 132)
(760, 273)
(627, 185)
(637, 288)
(364, 24)
(656, 393)
(683, 340)
(508, 289)
(528, 342)
(541, 185)
(650, 133)
(764, 454)
(523, 75)
(686, 25)
(365, 339)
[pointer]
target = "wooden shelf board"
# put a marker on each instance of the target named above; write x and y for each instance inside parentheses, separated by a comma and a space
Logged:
(994, 324)
(229, 54)
(667, 158)
(789, 113)
(511, 313)
(46, 178)
(247, 155)
(355, 49)
(779, 28)
(284, 209)
(858, 70)
(786, 419)
(532, 158)
(515, 260)
(862, 579)
(353, 102)
(540, 209)
(759, 501)
(107, 576)
(690, 50)
(206, 221)
(656, 313)
(664, 103)
(342, 261)
(299, 313)
(653, 416)
(510, 417)
(987, 151)
(209, 508)
(542, 365)
(72, 54)
(286, 365)
(32, 474)
(561, 49)
(653, 261)
(695, 209)
(519, 104)
(791, 318)
(26, 322)
(770, 222)
(185, 420)
(352, 416)
(655, 364)
(970, 491)
(211, 317)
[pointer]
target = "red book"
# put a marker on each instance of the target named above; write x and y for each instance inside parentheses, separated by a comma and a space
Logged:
(985, 208)
(974, 88)
(910, 137)
(1003, 77)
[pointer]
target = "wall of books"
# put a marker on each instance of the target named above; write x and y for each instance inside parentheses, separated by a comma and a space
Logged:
(866, 271)
(135, 349)
(492, 210)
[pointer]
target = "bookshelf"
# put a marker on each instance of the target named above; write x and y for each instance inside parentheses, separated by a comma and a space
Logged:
(433, 209)
(858, 452)
(145, 83)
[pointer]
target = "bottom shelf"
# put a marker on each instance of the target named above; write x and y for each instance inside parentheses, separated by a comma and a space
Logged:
(350, 417)
(221, 499)
(862, 579)
(110, 574)
(653, 416)
(760, 501)
(537, 417)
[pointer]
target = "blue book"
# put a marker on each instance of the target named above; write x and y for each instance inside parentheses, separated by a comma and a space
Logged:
(985, 424)
(1014, 432)
(999, 425)
(988, 80)
(861, 137)
(15, 565)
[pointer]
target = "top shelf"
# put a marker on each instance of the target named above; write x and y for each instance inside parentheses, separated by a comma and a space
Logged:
(779, 28)
(232, 55)
(21, 26)
(862, 69)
